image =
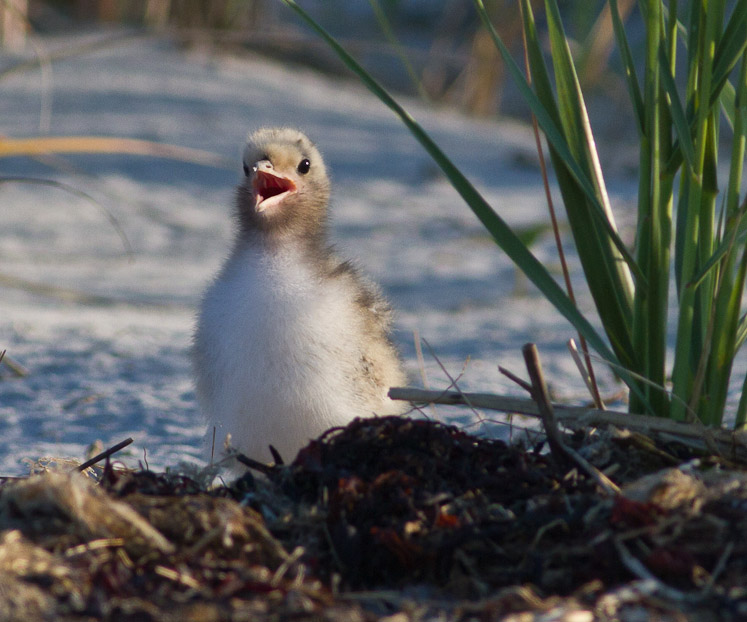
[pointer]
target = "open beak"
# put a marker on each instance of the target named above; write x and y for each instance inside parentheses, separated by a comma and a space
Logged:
(270, 189)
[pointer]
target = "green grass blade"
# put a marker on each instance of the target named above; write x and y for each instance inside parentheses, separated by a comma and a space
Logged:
(501, 232)
(730, 48)
(681, 125)
(631, 78)
(607, 276)
(388, 31)
(654, 223)
(741, 421)
(572, 107)
(731, 282)
(548, 121)
(727, 100)
(739, 229)
(613, 303)
(741, 332)
(694, 305)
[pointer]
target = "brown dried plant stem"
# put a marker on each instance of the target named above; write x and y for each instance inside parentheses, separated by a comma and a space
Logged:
(539, 393)
(733, 444)
(14, 366)
(104, 454)
(562, 453)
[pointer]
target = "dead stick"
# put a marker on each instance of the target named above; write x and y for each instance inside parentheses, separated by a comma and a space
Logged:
(560, 451)
(255, 464)
(639, 570)
(276, 456)
(570, 414)
(514, 378)
(104, 454)
(585, 376)
(14, 366)
(542, 397)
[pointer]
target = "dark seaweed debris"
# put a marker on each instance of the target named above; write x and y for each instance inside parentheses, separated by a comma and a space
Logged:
(386, 516)
(417, 500)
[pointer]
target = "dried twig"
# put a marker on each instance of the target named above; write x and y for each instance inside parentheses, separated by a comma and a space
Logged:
(542, 397)
(276, 456)
(14, 366)
(513, 377)
(719, 568)
(591, 386)
(637, 568)
(455, 381)
(71, 295)
(560, 451)
(421, 367)
(286, 565)
(255, 464)
(732, 443)
(94, 545)
(10, 147)
(419, 355)
(177, 576)
(691, 416)
(103, 455)
(212, 447)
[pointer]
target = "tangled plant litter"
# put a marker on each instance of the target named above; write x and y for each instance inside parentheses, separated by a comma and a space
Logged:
(388, 515)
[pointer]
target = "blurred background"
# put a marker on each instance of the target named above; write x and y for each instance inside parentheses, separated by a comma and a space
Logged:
(434, 49)
(106, 245)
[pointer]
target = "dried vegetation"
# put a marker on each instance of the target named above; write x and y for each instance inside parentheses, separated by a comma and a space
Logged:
(387, 518)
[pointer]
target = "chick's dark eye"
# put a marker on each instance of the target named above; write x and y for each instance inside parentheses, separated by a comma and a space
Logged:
(304, 166)
(246, 170)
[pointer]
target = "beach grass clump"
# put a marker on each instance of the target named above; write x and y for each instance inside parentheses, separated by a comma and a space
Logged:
(691, 225)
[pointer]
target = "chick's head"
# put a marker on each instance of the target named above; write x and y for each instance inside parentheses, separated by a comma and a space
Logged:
(285, 185)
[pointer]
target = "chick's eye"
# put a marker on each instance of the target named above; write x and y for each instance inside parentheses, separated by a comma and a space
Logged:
(304, 166)
(246, 170)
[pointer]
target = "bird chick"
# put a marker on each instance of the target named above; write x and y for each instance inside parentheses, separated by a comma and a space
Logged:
(290, 340)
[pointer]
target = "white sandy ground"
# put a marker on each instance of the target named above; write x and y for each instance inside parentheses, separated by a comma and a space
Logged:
(107, 349)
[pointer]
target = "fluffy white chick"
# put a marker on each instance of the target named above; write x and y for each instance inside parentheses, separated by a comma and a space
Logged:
(290, 340)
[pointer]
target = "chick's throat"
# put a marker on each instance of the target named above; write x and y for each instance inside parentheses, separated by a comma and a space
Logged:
(270, 189)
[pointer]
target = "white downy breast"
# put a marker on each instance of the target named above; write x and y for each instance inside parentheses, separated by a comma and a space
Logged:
(273, 346)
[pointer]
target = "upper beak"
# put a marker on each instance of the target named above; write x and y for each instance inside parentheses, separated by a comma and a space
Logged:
(268, 187)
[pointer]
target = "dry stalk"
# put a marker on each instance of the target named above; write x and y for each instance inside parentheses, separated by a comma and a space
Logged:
(94, 545)
(513, 377)
(103, 455)
(421, 367)
(638, 569)
(251, 463)
(560, 451)
(542, 397)
(177, 576)
(454, 381)
(731, 443)
(286, 565)
(14, 366)
(591, 386)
